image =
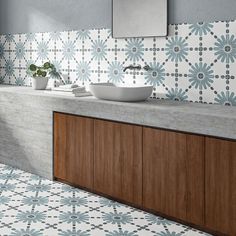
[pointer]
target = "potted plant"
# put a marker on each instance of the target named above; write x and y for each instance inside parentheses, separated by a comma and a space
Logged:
(40, 74)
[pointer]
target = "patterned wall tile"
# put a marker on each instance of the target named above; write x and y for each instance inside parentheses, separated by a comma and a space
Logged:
(196, 62)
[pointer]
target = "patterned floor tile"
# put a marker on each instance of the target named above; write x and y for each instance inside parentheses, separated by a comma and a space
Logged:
(33, 206)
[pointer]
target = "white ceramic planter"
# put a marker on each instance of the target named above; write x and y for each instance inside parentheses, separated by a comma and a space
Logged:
(39, 83)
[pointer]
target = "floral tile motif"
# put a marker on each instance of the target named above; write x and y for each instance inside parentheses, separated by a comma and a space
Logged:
(33, 206)
(196, 62)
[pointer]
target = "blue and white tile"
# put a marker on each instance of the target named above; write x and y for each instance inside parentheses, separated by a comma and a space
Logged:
(52, 46)
(34, 206)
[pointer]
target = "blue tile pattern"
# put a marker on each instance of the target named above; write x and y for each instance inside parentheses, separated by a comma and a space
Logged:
(196, 62)
(33, 206)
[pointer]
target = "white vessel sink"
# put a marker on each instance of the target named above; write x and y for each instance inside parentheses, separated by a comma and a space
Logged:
(126, 93)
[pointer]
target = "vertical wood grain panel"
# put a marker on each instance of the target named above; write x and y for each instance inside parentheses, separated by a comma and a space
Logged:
(73, 149)
(171, 163)
(195, 172)
(118, 161)
(221, 185)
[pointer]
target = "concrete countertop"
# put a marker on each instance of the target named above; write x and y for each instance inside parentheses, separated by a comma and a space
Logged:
(205, 119)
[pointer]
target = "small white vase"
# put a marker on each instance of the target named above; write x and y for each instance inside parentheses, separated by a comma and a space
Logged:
(39, 83)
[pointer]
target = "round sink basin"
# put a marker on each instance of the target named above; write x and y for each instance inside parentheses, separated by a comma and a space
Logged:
(126, 93)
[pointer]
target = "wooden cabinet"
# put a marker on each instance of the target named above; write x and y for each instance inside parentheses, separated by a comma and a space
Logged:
(173, 174)
(118, 161)
(187, 177)
(103, 156)
(74, 149)
(221, 185)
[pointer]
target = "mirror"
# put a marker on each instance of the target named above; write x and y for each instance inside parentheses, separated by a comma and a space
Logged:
(139, 18)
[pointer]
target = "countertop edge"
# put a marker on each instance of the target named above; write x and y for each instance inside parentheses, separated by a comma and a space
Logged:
(203, 119)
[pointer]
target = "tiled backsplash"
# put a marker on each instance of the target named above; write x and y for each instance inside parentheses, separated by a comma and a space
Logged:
(196, 62)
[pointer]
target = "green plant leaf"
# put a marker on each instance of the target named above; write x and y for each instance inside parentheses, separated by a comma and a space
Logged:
(47, 65)
(33, 67)
(44, 73)
(39, 72)
(44, 70)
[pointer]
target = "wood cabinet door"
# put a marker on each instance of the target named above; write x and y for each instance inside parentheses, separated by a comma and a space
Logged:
(173, 174)
(74, 149)
(221, 185)
(118, 161)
